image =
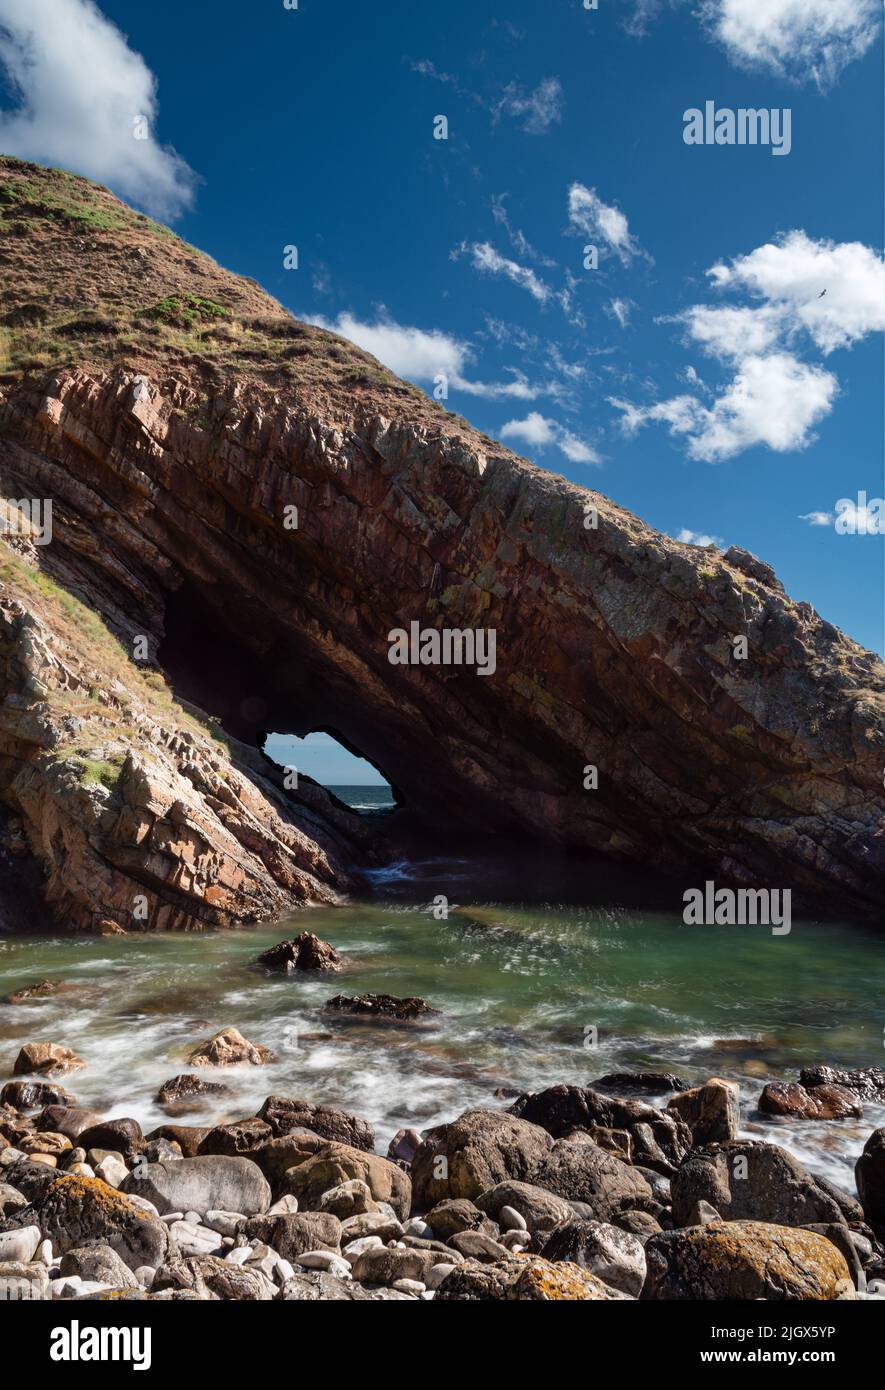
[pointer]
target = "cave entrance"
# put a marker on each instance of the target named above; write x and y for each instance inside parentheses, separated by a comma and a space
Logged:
(338, 767)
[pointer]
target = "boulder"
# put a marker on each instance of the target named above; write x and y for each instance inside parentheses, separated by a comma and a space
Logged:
(870, 1176)
(523, 1279)
(73, 1211)
(100, 1263)
(240, 1137)
(868, 1083)
(286, 1113)
(228, 1048)
(46, 1059)
(791, 1101)
(640, 1224)
(334, 1164)
(640, 1082)
(304, 952)
(386, 1266)
(70, 1120)
(480, 1149)
(348, 1199)
(586, 1173)
(712, 1111)
(212, 1278)
(658, 1139)
(187, 1137)
(476, 1245)
(10, 1199)
(23, 1282)
(612, 1254)
(276, 1156)
(121, 1136)
(318, 1286)
(383, 1006)
(541, 1211)
(34, 1095)
(210, 1183)
(744, 1260)
(44, 1142)
(182, 1094)
(457, 1214)
(293, 1235)
(748, 1181)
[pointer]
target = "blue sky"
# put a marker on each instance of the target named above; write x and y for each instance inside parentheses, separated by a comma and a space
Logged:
(465, 256)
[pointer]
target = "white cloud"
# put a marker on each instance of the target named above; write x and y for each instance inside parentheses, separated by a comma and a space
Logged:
(619, 309)
(422, 354)
(698, 538)
(576, 450)
(79, 89)
(538, 110)
(773, 400)
(795, 38)
(834, 292)
(534, 430)
(601, 222)
(817, 518)
(807, 293)
(732, 332)
(537, 432)
(490, 262)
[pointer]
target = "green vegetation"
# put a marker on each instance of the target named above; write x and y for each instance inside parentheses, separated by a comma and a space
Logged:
(184, 310)
(105, 774)
(66, 198)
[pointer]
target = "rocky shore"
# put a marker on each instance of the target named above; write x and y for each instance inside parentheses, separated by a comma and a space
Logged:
(572, 1193)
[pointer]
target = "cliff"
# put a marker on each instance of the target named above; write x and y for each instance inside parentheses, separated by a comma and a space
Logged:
(175, 414)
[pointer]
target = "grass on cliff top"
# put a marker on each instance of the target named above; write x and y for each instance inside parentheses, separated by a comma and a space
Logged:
(90, 282)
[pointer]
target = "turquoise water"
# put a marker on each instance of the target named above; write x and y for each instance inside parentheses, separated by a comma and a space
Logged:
(529, 995)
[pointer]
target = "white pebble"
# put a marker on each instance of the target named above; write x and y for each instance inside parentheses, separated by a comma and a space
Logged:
(516, 1240)
(511, 1220)
(325, 1259)
(356, 1248)
(226, 1223)
(417, 1227)
(20, 1245)
(412, 1286)
(437, 1274)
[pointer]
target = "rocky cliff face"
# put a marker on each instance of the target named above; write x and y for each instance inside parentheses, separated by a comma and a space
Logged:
(176, 416)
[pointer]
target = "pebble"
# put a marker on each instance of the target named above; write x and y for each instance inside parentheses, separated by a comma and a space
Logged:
(72, 1286)
(325, 1259)
(510, 1219)
(412, 1286)
(418, 1227)
(172, 1216)
(437, 1274)
(240, 1255)
(194, 1239)
(353, 1251)
(10, 1156)
(44, 1254)
(516, 1240)
(145, 1275)
(112, 1170)
(286, 1206)
(226, 1223)
(20, 1245)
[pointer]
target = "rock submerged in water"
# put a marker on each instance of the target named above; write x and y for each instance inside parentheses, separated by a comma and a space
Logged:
(46, 1059)
(304, 952)
(791, 1101)
(868, 1083)
(228, 1048)
(184, 1093)
(34, 1095)
(46, 989)
(384, 1006)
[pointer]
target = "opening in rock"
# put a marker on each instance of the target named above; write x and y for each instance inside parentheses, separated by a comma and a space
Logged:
(354, 780)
